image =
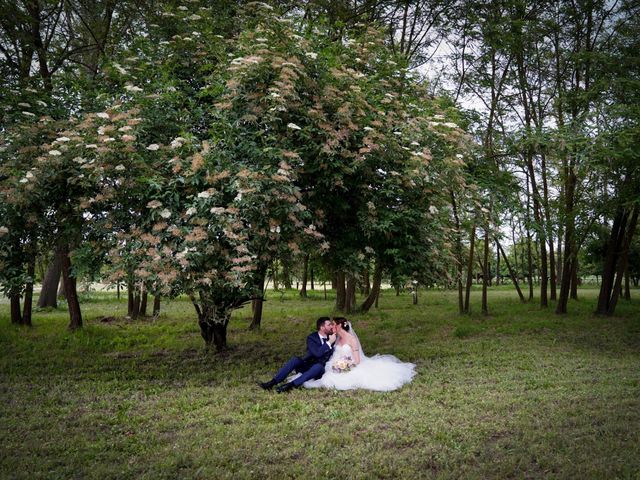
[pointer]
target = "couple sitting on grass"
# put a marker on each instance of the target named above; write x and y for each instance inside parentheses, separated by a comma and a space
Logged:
(335, 359)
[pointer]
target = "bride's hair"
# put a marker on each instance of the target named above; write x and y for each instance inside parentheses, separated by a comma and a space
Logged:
(344, 323)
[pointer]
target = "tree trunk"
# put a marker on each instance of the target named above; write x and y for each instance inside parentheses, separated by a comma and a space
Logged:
(375, 289)
(459, 261)
(497, 266)
(311, 278)
(627, 285)
(286, 275)
(485, 273)
(574, 276)
(213, 325)
(529, 255)
(130, 299)
(28, 293)
(549, 230)
(69, 281)
(256, 320)
(350, 294)
(340, 291)
(616, 259)
(61, 291)
(156, 305)
(16, 315)
(49, 290)
(467, 295)
(136, 305)
(305, 270)
(367, 283)
(614, 245)
(559, 259)
(570, 255)
(143, 302)
(274, 276)
(512, 274)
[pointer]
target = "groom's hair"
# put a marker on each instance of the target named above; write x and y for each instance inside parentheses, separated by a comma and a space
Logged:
(321, 321)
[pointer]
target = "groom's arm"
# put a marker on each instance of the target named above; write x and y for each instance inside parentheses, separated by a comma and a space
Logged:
(315, 347)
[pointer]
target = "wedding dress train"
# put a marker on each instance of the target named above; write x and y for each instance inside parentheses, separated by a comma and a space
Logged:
(380, 372)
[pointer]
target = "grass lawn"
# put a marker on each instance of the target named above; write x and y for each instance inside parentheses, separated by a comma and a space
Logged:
(522, 393)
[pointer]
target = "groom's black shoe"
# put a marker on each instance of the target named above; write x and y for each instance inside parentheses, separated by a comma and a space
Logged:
(285, 388)
(267, 385)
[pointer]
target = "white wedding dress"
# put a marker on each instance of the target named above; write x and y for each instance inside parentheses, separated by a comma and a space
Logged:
(382, 373)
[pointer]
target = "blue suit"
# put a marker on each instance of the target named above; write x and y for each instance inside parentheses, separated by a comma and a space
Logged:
(311, 366)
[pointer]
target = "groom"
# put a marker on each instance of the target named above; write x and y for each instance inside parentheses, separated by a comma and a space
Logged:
(319, 350)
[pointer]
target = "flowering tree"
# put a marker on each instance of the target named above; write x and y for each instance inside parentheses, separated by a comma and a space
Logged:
(213, 155)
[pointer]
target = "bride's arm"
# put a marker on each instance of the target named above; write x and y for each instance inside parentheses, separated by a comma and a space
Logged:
(355, 349)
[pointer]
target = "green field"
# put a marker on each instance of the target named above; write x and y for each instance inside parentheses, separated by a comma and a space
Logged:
(522, 393)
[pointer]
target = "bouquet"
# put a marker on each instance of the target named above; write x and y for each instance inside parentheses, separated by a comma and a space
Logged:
(343, 365)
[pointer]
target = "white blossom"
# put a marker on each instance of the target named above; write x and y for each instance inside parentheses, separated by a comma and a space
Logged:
(55, 153)
(91, 145)
(79, 160)
(24, 105)
(191, 211)
(126, 128)
(120, 69)
(132, 88)
(120, 167)
(367, 129)
(154, 204)
(205, 194)
(293, 126)
(450, 125)
(433, 210)
(153, 147)
(41, 103)
(459, 155)
(3, 231)
(312, 55)
(29, 114)
(166, 213)
(183, 8)
(217, 210)
(194, 17)
(24, 180)
(104, 115)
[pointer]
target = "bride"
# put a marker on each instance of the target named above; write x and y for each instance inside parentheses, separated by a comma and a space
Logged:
(349, 368)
